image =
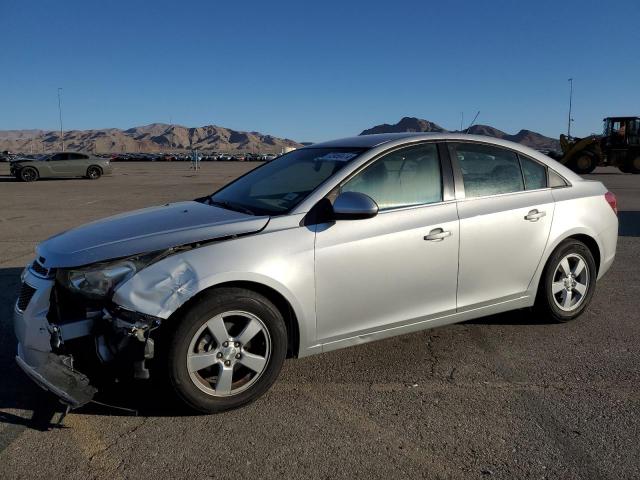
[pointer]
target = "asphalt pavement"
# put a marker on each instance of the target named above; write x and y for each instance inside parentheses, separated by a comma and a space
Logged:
(507, 396)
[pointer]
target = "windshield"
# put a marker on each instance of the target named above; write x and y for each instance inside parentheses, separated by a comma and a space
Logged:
(278, 186)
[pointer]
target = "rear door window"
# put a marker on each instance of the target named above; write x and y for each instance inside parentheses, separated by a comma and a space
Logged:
(487, 170)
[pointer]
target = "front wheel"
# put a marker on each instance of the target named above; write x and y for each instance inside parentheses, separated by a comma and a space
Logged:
(632, 165)
(28, 174)
(584, 164)
(226, 350)
(568, 282)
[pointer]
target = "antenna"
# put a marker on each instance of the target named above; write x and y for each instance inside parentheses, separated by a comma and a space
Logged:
(570, 101)
(472, 122)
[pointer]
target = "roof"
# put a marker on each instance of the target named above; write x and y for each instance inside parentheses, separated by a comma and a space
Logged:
(368, 141)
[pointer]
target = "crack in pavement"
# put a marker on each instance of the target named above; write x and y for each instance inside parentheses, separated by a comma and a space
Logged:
(548, 423)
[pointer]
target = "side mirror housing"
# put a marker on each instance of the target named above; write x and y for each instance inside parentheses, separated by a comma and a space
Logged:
(354, 206)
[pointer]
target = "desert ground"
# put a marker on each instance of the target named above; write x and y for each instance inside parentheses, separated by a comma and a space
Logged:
(508, 396)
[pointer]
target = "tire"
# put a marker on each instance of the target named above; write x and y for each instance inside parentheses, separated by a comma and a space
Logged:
(29, 174)
(583, 164)
(94, 173)
(632, 165)
(554, 285)
(211, 376)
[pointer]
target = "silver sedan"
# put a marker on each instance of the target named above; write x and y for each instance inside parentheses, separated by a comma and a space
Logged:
(328, 246)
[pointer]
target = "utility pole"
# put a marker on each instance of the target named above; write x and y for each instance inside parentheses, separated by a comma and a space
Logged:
(461, 121)
(60, 116)
(570, 101)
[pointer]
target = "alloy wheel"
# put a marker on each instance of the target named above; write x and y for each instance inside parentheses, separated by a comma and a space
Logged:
(228, 353)
(28, 175)
(570, 282)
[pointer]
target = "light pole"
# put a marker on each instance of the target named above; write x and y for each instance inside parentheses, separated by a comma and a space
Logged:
(60, 116)
(570, 102)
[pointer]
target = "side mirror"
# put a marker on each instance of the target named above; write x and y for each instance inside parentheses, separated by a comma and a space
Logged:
(354, 206)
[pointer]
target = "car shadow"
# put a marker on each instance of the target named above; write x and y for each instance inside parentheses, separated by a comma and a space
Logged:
(524, 316)
(629, 224)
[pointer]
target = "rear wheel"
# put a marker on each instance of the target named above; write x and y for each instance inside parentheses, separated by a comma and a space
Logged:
(93, 173)
(568, 281)
(226, 350)
(584, 164)
(28, 174)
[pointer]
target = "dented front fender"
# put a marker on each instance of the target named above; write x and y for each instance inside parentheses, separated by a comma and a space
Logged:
(271, 259)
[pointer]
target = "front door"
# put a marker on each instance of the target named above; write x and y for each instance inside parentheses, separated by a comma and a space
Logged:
(398, 267)
(60, 165)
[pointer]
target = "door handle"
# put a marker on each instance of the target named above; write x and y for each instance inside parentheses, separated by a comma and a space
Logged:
(534, 215)
(437, 235)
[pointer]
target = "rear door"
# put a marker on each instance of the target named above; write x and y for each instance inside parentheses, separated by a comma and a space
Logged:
(78, 164)
(505, 219)
(60, 165)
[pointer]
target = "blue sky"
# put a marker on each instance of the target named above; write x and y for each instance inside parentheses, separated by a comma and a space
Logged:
(317, 70)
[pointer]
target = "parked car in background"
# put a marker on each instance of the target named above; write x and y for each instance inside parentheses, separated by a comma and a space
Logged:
(268, 157)
(60, 165)
(329, 246)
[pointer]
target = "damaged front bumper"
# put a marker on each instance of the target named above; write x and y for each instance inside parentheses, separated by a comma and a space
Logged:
(42, 351)
(56, 375)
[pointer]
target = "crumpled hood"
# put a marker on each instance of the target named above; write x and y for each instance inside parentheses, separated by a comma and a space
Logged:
(145, 230)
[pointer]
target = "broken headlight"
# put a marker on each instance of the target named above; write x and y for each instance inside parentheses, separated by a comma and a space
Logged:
(99, 280)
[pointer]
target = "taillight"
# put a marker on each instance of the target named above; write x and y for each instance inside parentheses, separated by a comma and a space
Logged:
(612, 201)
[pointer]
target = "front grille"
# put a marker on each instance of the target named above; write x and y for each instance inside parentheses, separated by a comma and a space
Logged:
(26, 293)
(39, 269)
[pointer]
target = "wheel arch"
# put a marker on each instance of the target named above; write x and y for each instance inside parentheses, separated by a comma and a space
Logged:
(33, 167)
(277, 298)
(97, 166)
(591, 244)
(582, 235)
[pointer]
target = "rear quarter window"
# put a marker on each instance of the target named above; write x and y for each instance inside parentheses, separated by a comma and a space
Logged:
(535, 174)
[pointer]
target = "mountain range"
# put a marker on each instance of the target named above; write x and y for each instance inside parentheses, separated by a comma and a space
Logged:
(157, 137)
(412, 124)
(161, 137)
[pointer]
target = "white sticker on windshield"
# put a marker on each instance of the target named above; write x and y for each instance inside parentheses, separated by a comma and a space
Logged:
(338, 156)
(290, 196)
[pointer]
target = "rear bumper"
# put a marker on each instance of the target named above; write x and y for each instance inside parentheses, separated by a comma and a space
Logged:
(608, 241)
